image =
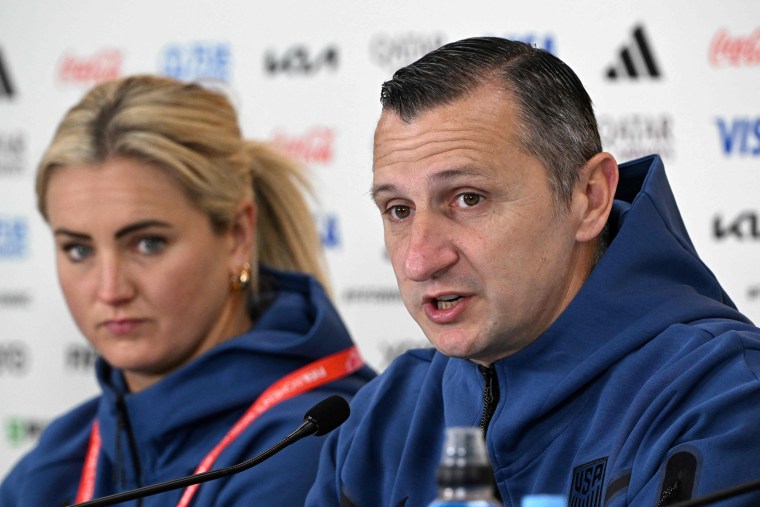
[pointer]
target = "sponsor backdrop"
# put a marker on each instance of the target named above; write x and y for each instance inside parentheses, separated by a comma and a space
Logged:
(680, 78)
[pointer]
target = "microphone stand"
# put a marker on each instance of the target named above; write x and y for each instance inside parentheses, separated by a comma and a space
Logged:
(720, 495)
(308, 427)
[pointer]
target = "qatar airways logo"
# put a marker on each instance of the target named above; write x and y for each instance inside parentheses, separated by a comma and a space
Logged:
(732, 50)
(15, 299)
(392, 52)
(315, 146)
(634, 135)
(104, 65)
(13, 148)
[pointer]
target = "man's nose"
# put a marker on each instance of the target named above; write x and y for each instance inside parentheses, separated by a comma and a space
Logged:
(429, 250)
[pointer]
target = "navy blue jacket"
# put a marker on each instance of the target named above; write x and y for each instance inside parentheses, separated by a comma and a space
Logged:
(644, 389)
(177, 421)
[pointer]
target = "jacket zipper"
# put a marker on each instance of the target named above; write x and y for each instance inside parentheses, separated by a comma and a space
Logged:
(668, 493)
(124, 422)
(490, 395)
(490, 399)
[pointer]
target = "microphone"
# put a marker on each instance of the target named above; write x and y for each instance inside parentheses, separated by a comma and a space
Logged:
(320, 419)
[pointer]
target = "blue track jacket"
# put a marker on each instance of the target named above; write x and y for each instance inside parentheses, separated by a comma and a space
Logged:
(643, 392)
(163, 432)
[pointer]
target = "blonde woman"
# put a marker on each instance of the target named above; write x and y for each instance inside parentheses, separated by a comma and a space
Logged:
(189, 260)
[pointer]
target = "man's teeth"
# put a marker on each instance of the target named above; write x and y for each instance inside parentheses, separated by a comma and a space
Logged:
(446, 302)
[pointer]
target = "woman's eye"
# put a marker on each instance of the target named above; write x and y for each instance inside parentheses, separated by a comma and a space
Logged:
(151, 245)
(77, 252)
(399, 212)
(469, 199)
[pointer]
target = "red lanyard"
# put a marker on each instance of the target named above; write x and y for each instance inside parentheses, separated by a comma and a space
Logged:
(322, 371)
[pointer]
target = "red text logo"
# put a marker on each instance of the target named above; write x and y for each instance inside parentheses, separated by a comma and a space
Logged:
(313, 147)
(735, 50)
(104, 65)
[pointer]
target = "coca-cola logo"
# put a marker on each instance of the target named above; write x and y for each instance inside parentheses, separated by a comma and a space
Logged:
(104, 65)
(735, 50)
(315, 146)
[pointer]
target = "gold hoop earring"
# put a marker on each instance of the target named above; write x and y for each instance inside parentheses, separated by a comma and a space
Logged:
(241, 281)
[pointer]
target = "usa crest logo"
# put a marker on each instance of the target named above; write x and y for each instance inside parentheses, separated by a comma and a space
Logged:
(588, 483)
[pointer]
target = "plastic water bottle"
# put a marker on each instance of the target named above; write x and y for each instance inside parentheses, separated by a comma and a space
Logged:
(464, 475)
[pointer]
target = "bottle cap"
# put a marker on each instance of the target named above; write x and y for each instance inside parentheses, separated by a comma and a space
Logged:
(543, 501)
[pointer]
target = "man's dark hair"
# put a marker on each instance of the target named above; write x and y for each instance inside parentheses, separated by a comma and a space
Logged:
(557, 123)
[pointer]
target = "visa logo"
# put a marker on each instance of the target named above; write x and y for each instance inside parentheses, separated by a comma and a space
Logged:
(740, 136)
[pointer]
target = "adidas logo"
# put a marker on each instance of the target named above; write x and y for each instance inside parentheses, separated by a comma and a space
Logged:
(636, 60)
(6, 88)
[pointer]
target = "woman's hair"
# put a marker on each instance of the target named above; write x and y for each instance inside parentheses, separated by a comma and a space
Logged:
(192, 133)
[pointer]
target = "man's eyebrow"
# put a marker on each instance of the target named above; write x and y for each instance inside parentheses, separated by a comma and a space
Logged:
(379, 189)
(438, 177)
(119, 234)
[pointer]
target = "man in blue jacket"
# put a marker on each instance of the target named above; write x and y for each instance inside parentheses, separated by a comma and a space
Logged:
(573, 319)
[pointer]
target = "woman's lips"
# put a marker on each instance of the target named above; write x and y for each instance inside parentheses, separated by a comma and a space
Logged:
(123, 326)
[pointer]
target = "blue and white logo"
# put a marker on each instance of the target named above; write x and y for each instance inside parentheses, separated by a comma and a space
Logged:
(739, 136)
(14, 237)
(197, 60)
(545, 41)
(328, 225)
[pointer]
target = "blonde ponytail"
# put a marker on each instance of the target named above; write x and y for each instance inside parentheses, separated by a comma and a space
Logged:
(286, 234)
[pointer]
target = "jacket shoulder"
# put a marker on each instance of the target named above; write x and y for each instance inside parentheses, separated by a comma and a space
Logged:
(50, 471)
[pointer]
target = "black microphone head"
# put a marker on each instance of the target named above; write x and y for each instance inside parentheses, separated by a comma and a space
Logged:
(328, 414)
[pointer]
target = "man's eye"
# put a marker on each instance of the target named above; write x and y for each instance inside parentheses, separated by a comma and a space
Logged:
(469, 199)
(76, 252)
(400, 212)
(151, 245)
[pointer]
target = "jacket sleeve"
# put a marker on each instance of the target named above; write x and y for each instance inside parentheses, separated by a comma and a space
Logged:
(701, 434)
(325, 491)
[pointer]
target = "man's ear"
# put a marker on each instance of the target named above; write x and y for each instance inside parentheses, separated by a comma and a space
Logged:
(595, 194)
